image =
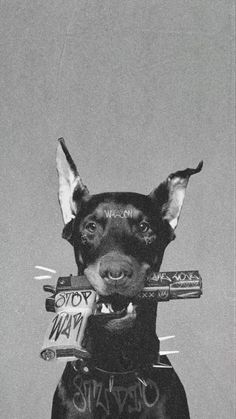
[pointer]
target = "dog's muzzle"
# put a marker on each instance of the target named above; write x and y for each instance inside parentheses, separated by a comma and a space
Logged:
(115, 268)
(116, 273)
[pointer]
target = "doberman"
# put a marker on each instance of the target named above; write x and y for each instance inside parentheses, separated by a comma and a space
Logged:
(118, 238)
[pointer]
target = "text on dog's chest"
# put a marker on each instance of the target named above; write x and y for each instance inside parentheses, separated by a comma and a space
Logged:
(92, 393)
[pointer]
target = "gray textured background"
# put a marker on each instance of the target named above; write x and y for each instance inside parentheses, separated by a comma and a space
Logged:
(139, 89)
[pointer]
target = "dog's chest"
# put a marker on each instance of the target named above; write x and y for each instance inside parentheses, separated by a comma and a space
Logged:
(94, 397)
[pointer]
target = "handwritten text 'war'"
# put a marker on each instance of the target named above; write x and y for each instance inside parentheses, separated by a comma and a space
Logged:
(64, 324)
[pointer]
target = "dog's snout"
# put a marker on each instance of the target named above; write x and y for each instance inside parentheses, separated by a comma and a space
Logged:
(115, 267)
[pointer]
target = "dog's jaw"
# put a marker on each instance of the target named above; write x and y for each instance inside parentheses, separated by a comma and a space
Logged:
(128, 341)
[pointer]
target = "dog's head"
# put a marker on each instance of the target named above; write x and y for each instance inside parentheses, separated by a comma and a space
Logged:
(118, 237)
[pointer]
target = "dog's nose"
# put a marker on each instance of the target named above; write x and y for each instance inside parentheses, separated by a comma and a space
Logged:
(115, 267)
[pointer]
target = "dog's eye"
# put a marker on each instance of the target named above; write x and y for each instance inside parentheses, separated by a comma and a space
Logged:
(91, 227)
(144, 226)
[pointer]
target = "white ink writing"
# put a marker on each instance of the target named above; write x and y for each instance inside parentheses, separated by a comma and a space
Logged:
(185, 276)
(174, 277)
(118, 213)
(93, 393)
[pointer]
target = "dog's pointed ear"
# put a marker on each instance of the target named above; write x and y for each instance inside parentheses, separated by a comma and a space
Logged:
(71, 187)
(169, 195)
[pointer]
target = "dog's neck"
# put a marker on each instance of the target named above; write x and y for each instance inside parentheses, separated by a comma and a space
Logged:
(124, 344)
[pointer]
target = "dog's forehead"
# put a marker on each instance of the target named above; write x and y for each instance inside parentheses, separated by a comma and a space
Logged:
(129, 202)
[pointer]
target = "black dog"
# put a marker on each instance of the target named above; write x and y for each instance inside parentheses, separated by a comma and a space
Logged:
(118, 238)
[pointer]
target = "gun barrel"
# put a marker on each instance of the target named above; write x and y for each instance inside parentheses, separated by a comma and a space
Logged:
(166, 286)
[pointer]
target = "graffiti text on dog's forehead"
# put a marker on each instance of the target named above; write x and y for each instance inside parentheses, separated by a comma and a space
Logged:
(121, 213)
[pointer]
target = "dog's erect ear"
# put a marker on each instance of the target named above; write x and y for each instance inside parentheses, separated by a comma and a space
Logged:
(170, 194)
(71, 187)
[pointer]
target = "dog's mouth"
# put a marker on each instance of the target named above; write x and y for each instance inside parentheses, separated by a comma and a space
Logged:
(116, 312)
(116, 304)
(117, 280)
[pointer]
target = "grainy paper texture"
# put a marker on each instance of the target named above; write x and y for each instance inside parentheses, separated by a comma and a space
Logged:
(139, 89)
